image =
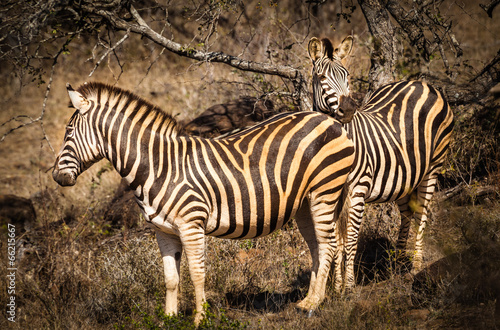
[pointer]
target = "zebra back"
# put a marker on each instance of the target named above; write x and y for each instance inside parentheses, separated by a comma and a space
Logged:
(401, 134)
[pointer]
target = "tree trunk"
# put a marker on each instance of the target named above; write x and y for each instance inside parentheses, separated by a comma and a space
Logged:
(384, 50)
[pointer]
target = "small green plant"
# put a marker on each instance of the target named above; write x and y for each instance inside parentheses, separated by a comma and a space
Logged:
(221, 321)
(107, 167)
(247, 244)
(160, 320)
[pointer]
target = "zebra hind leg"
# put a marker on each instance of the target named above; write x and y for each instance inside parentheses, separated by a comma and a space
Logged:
(306, 227)
(318, 228)
(406, 217)
(424, 194)
(354, 221)
(193, 240)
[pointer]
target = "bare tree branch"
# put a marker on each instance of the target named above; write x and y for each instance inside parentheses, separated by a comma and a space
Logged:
(411, 24)
(490, 7)
(142, 28)
(40, 118)
(490, 74)
(109, 50)
(474, 92)
(415, 23)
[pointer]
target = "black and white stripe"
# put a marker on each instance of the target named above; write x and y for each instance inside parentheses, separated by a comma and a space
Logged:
(401, 137)
(242, 186)
(330, 74)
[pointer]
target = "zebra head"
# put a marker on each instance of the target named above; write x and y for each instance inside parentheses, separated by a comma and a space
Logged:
(329, 76)
(79, 150)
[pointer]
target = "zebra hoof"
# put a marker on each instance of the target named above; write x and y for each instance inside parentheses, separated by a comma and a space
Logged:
(305, 308)
(308, 312)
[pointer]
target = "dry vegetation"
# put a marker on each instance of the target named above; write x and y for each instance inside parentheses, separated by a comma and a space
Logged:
(87, 260)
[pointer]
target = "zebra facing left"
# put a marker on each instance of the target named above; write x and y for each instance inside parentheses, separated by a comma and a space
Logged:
(243, 186)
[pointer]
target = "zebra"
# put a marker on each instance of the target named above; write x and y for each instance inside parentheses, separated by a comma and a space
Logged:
(243, 186)
(401, 136)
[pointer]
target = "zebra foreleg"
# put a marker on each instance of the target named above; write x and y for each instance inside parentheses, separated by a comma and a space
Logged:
(171, 252)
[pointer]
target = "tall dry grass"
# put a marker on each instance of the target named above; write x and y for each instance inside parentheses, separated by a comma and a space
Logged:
(78, 269)
(81, 272)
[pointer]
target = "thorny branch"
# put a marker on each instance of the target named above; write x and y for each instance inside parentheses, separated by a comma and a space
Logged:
(40, 118)
(22, 23)
(420, 19)
(142, 28)
(384, 52)
(428, 32)
(108, 51)
(25, 22)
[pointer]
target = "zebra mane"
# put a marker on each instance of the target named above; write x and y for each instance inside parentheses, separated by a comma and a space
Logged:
(98, 91)
(328, 47)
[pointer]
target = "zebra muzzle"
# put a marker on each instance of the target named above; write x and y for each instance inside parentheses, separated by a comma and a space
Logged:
(64, 179)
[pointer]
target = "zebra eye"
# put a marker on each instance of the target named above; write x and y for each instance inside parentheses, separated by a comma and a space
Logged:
(69, 131)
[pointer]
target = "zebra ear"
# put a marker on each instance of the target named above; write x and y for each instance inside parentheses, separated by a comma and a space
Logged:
(344, 48)
(78, 100)
(314, 48)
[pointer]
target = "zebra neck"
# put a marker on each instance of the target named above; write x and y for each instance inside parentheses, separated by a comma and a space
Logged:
(138, 148)
(350, 126)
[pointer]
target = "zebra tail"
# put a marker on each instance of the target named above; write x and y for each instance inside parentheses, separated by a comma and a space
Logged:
(342, 215)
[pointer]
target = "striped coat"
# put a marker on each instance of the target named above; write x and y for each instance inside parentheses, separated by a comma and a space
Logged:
(243, 186)
(401, 136)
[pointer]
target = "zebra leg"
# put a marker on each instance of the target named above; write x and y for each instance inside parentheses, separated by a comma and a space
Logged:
(424, 194)
(318, 228)
(406, 216)
(355, 218)
(193, 240)
(306, 227)
(171, 252)
(339, 258)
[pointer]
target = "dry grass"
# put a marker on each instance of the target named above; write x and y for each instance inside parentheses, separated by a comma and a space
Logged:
(77, 269)
(84, 273)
